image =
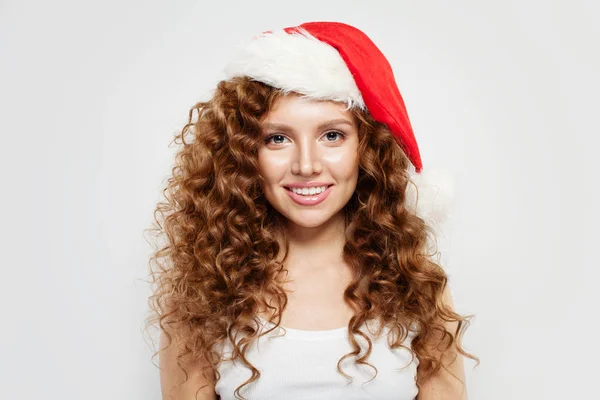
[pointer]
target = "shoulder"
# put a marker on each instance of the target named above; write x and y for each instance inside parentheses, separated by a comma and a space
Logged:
(452, 365)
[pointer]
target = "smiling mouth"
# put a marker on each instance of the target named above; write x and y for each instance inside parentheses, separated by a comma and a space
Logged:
(309, 199)
(290, 190)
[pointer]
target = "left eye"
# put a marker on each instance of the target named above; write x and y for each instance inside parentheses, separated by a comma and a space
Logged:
(335, 133)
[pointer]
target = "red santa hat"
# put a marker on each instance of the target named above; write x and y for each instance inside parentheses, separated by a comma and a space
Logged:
(336, 61)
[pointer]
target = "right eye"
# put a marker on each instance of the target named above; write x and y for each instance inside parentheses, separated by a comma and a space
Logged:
(276, 135)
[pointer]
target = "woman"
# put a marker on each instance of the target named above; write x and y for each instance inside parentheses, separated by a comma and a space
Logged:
(294, 265)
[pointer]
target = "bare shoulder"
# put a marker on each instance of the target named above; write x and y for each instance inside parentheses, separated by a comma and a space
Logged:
(172, 376)
(442, 385)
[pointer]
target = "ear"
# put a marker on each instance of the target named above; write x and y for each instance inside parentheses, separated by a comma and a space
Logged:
(430, 195)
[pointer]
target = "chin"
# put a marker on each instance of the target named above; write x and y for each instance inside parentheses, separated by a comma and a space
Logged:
(310, 218)
(309, 222)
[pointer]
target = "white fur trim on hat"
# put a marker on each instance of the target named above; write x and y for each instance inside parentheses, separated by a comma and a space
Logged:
(299, 63)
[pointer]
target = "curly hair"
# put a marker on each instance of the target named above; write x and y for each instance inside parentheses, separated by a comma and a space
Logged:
(219, 259)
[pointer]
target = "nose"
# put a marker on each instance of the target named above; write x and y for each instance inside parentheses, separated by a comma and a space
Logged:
(308, 160)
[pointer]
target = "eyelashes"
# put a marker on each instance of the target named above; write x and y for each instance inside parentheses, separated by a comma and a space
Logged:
(338, 133)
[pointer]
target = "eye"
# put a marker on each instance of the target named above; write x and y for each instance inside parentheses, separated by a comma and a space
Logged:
(276, 135)
(328, 134)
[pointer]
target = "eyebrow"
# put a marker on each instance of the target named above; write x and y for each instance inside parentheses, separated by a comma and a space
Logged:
(325, 125)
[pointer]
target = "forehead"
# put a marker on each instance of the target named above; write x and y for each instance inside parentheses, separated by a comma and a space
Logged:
(323, 125)
(294, 109)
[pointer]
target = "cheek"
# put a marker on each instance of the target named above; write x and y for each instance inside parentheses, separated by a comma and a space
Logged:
(263, 162)
(343, 165)
(270, 166)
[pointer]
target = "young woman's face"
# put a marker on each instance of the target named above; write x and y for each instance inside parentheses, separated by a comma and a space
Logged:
(314, 143)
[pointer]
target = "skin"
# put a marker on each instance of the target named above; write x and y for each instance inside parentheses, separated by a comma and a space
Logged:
(442, 385)
(303, 150)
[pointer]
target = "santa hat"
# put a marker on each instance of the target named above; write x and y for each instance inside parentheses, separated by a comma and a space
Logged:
(336, 61)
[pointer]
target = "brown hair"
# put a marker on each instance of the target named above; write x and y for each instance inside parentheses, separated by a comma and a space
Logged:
(220, 255)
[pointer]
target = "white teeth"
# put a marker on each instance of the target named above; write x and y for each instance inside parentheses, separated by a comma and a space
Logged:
(309, 191)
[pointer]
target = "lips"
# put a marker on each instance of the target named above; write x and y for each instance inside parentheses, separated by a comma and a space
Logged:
(309, 200)
(288, 188)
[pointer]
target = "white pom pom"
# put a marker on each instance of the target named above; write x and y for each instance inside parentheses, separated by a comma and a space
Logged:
(434, 189)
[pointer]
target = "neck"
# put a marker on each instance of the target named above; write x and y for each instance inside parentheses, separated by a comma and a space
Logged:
(317, 246)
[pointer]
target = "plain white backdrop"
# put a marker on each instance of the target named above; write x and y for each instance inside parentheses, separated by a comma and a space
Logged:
(502, 94)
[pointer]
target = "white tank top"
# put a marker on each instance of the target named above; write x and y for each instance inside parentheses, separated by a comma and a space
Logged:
(302, 365)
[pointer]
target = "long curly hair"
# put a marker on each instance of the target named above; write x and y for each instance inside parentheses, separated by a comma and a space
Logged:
(220, 255)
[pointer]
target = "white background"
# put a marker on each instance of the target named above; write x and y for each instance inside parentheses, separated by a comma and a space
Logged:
(502, 94)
